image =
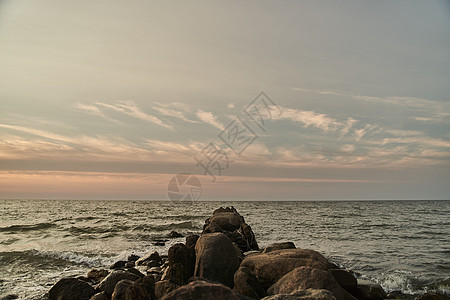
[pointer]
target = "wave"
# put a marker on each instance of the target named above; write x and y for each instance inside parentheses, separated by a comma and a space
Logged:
(27, 227)
(170, 226)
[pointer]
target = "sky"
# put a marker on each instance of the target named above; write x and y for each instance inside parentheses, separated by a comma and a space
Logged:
(112, 99)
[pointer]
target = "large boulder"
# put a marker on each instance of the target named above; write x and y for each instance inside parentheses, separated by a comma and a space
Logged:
(246, 283)
(216, 258)
(71, 289)
(270, 267)
(108, 284)
(164, 287)
(368, 290)
(232, 224)
(279, 246)
(180, 264)
(303, 278)
(129, 290)
(345, 279)
(309, 294)
(202, 290)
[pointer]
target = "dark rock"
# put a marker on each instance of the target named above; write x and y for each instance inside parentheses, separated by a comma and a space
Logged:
(100, 296)
(211, 228)
(133, 257)
(148, 257)
(368, 290)
(247, 232)
(279, 246)
(191, 240)
(309, 294)
(238, 252)
(216, 258)
(345, 279)
(164, 287)
(108, 284)
(227, 218)
(129, 290)
(174, 234)
(303, 278)
(246, 283)
(433, 296)
(270, 267)
(179, 264)
(135, 272)
(71, 289)
(97, 275)
(9, 297)
(129, 264)
(148, 283)
(118, 265)
(201, 290)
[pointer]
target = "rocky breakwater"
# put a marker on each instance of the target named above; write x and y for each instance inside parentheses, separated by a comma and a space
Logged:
(224, 262)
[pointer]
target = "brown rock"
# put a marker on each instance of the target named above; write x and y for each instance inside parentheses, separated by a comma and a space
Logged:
(345, 279)
(97, 275)
(99, 296)
(303, 278)
(216, 258)
(201, 290)
(309, 294)
(270, 267)
(164, 287)
(180, 264)
(109, 283)
(129, 290)
(433, 296)
(246, 283)
(368, 290)
(279, 246)
(71, 289)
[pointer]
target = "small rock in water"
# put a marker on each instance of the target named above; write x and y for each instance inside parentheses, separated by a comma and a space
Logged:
(118, 265)
(133, 257)
(174, 234)
(370, 290)
(153, 256)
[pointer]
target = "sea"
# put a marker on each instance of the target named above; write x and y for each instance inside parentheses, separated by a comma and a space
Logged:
(402, 245)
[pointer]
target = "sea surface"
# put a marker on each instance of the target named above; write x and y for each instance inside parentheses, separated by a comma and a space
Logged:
(403, 245)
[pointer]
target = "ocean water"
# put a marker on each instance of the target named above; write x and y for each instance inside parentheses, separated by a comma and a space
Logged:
(403, 245)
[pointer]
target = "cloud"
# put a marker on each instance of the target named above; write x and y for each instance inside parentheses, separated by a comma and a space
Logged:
(310, 118)
(95, 111)
(175, 110)
(129, 108)
(209, 118)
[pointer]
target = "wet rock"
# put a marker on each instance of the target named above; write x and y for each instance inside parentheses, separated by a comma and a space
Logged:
(100, 296)
(164, 287)
(108, 284)
(368, 290)
(71, 289)
(129, 290)
(118, 265)
(345, 279)
(201, 290)
(232, 224)
(133, 257)
(216, 258)
(146, 259)
(246, 283)
(174, 234)
(191, 240)
(97, 275)
(433, 296)
(279, 246)
(270, 267)
(303, 278)
(309, 294)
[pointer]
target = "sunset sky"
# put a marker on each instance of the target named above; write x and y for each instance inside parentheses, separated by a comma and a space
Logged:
(111, 99)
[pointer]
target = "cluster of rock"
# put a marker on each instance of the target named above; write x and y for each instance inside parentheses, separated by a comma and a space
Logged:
(224, 262)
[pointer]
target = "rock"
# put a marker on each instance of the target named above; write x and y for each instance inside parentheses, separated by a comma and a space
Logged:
(246, 283)
(148, 283)
(309, 294)
(97, 275)
(433, 296)
(154, 270)
(303, 278)
(108, 284)
(133, 258)
(369, 290)
(180, 262)
(129, 290)
(9, 297)
(135, 272)
(174, 234)
(164, 287)
(118, 265)
(238, 252)
(216, 258)
(71, 289)
(100, 296)
(201, 290)
(232, 224)
(146, 259)
(270, 267)
(279, 246)
(191, 240)
(345, 279)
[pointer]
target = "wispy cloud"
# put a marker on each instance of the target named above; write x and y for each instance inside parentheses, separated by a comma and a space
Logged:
(95, 111)
(309, 118)
(175, 109)
(129, 108)
(209, 118)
